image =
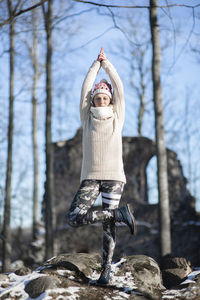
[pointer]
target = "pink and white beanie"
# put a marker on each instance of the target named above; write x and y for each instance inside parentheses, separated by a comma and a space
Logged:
(103, 87)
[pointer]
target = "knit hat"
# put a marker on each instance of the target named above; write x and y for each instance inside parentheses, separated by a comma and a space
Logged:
(103, 87)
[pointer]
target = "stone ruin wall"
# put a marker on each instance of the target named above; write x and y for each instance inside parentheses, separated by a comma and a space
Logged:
(137, 153)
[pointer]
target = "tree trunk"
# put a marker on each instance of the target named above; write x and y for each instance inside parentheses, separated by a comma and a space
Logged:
(141, 94)
(164, 212)
(8, 192)
(141, 112)
(34, 124)
(139, 61)
(49, 186)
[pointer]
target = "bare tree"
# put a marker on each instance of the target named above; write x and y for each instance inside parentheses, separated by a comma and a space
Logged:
(49, 186)
(17, 11)
(139, 64)
(7, 202)
(165, 235)
(34, 57)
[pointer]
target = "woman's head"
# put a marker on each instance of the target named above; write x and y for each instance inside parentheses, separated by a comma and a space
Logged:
(102, 94)
(101, 100)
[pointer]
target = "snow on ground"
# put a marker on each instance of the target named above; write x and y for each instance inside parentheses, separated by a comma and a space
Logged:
(73, 293)
(13, 286)
(15, 289)
(184, 292)
(126, 281)
(191, 277)
(179, 294)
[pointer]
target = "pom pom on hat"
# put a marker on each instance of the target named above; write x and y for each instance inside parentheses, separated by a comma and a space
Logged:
(103, 87)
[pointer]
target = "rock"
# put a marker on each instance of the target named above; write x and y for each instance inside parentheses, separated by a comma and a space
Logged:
(23, 271)
(168, 262)
(16, 265)
(37, 286)
(3, 277)
(174, 270)
(83, 264)
(144, 269)
(198, 279)
(135, 277)
(146, 273)
(173, 277)
(138, 274)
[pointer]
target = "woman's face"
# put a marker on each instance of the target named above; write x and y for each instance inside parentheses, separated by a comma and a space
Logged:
(101, 100)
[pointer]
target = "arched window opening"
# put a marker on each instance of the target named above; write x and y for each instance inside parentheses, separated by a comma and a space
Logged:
(152, 181)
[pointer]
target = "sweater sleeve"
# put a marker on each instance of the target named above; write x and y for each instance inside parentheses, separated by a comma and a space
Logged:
(87, 89)
(118, 90)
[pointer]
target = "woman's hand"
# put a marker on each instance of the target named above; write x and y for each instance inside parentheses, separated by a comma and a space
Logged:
(101, 55)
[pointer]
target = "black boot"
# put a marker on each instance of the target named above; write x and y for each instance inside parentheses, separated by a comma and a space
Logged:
(124, 214)
(105, 275)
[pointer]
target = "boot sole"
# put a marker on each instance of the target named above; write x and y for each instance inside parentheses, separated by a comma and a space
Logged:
(133, 230)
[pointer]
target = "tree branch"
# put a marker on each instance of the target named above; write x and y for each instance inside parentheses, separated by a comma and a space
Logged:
(16, 7)
(120, 29)
(136, 6)
(73, 15)
(93, 39)
(186, 43)
(22, 11)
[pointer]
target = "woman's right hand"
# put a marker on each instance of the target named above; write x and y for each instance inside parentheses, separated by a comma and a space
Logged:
(101, 55)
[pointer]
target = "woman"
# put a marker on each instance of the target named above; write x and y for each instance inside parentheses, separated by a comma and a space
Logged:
(102, 117)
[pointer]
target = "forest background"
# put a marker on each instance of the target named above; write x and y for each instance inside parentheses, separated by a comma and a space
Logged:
(79, 31)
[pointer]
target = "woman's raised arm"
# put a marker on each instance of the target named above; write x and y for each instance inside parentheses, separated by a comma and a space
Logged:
(87, 89)
(118, 90)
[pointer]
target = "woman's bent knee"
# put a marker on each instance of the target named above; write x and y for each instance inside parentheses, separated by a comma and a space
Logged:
(75, 219)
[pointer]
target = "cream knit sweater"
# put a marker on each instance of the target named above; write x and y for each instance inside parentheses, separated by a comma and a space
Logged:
(102, 138)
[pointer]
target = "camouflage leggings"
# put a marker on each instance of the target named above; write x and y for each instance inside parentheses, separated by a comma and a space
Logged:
(80, 213)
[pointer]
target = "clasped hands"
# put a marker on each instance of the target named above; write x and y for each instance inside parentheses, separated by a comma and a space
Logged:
(101, 55)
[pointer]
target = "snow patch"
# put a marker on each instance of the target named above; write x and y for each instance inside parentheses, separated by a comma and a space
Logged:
(66, 273)
(17, 264)
(17, 285)
(174, 294)
(191, 277)
(72, 293)
(126, 281)
(170, 294)
(12, 286)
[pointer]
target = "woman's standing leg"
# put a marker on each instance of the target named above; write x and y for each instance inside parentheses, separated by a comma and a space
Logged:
(111, 194)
